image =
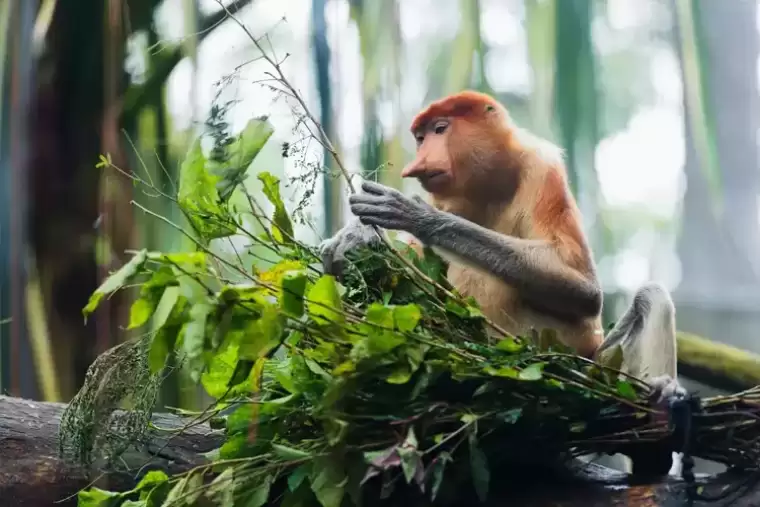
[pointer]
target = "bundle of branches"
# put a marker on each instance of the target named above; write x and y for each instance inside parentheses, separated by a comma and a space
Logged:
(385, 382)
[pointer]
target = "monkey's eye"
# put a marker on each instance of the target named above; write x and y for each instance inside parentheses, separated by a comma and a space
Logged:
(419, 139)
(441, 128)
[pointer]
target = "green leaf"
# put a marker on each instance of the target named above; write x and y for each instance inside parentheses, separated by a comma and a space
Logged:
(235, 447)
(381, 338)
(282, 228)
(293, 288)
(152, 479)
(626, 390)
(242, 372)
(222, 489)
(140, 311)
(456, 308)
(411, 459)
(183, 492)
(439, 466)
(297, 476)
(289, 453)
(400, 375)
(612, 358)
(240, 153)
(260, 493)
(168, 322)
(95, 497)
(198, 197)
(510, 345)
(325, 305)
(533, 372)
(578, 427)
(511, 416)
(411, 463)
(273, 275)
(116, 281)
(220, 371)
(302, 496)
(406, 317)
(240, 419)
(194, 488)
(505, 371)
(160, 348)
(433, 265)
(481, 475)
(151, 294)
(263, 334)
(194, 338)
(169, 300)
(335, 430)
(328, 482)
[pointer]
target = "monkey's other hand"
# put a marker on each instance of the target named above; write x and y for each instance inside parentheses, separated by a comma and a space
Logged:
(353, 235)
(390, 209)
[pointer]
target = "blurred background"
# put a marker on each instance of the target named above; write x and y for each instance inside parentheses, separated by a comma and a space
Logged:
(654, 101)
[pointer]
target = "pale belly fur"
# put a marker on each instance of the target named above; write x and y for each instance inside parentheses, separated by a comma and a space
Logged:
(500, 303)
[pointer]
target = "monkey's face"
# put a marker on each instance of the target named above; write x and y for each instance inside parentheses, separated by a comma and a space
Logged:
(432, 165)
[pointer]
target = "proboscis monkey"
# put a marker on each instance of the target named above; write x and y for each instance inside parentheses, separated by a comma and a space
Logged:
(503, 215)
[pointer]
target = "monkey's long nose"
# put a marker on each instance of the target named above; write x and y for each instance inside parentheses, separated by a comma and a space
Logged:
(413, 169)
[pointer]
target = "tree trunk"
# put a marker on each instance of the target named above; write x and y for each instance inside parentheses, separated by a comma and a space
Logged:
(32, 474)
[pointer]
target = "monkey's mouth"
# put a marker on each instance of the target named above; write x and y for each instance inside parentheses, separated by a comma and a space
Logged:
(433, 181)
(432, 177)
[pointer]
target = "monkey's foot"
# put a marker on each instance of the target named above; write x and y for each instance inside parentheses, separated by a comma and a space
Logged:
(666, 388)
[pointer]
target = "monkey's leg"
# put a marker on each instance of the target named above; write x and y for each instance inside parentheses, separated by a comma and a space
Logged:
(647, 334)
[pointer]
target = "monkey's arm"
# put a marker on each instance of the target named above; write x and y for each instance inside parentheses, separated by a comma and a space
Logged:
(533, 267)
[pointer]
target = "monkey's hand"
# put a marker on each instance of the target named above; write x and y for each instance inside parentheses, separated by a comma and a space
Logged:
(352, 235)
(390, 209)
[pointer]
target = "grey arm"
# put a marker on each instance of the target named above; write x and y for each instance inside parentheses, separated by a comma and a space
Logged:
(531, 266)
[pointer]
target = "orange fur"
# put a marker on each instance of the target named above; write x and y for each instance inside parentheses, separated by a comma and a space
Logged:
(556, 217)
(506, 179)
(466, 104)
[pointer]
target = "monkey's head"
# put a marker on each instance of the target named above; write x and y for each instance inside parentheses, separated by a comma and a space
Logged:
(463, 145)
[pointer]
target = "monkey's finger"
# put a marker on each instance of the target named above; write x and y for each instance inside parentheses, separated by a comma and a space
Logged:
(376, 188)
(367, 199)
(367, 209)
(385, 222)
